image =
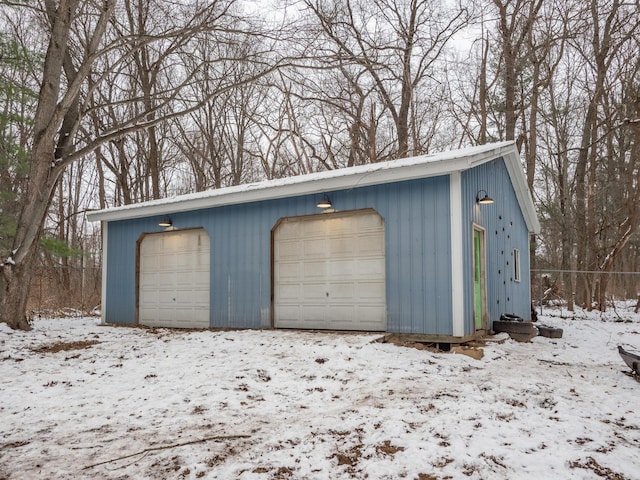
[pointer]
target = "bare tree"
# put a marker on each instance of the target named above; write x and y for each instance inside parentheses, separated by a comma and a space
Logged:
(397, 44)
(80, 34)
(18, 94)
(610, 31)
(557, 184)
(55, 124)
(516, 20)
(586, 196)
(215, 138)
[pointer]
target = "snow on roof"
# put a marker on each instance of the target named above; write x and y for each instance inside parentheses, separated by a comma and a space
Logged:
(421, 166)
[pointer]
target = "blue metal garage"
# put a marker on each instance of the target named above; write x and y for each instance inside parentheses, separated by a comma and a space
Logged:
(434, 245)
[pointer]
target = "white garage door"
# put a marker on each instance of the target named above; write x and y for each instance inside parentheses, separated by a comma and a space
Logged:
(174, 279)
(329, 272)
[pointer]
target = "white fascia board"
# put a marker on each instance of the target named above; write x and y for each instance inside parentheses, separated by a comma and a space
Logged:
(103, 293)
(361, 176)
(519, 182)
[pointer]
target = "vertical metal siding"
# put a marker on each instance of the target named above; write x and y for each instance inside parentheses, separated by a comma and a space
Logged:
(416, 215)
(418, 247)
(505, 230)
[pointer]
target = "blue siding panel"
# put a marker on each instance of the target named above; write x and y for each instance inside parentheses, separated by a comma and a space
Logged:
(506, 230)
(121, 287)
(418, 264)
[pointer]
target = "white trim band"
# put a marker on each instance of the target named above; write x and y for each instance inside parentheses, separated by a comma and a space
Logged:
(457, 264)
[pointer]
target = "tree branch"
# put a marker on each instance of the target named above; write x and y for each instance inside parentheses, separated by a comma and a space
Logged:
(166, 447)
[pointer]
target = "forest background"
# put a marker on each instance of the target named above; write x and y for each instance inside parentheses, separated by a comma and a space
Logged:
(111, 102)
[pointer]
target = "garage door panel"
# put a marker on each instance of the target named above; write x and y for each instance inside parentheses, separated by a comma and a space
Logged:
(187, 261)
(314, 248)
(191, 259)
(370, 314)
(369, 318)
(314, 291)
(340, 225)
(147, 314)
(148, 279)
(314, 314)
(201, 315)
(191, 274)
(290, 249)
(370, 291)
(342, 246)
(186, 280)
(371, 267)
(164, 279)
(174, 279)
(146, 265)
(149, 297)
(314, 269)
(180, 299)
(163, 262)
(166, 315)
(368, 222)
(341, 268)
(171, 300)
(342, 292)
(153, 247)
(289, 314)
(288, 292)
(371, 245)
(201, 277)
(186, 316)
(191, 297)
(341, 314)
(288, 270)
(311, 229)
(290, 231)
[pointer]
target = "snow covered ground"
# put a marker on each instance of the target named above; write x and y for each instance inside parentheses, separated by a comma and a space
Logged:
(80, 400)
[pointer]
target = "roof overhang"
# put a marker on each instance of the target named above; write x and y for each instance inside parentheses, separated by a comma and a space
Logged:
(360, 176)
(519, 182)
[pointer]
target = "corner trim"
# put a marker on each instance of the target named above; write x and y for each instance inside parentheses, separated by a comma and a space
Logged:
(103, 293)
(457, 274)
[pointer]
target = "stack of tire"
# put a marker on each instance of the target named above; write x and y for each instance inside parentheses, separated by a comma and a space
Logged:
(516, 327)
(522, 331)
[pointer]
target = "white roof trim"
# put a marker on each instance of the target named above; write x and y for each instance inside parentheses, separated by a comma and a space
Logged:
(363, 175)
(519, 182)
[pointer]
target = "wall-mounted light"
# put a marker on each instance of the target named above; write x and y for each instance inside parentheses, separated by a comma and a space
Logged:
(324, 203)
(165, 222)
(483, 199)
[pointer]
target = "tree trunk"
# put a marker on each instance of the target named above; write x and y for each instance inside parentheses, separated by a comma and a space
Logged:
(14, 285)
(16, 274)
(514, 28)
(63, 236)
(587, 156)
(44, 173)
(483, 92)
(581, 210)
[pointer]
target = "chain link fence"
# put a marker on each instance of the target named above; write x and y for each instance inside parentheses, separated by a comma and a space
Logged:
(552, 287)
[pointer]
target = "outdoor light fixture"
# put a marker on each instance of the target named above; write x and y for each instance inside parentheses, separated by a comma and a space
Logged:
(483, 199)
(324, 203)
(166, 221)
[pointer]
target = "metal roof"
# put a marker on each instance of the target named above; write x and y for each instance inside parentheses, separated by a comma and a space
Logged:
(421, 166)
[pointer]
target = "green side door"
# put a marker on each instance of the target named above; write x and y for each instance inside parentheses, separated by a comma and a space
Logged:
(477, 279)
